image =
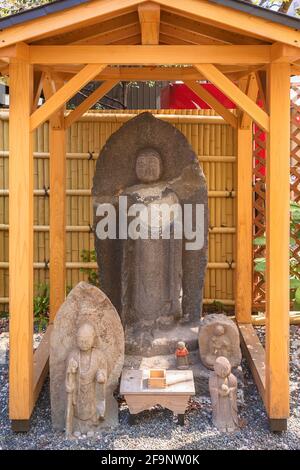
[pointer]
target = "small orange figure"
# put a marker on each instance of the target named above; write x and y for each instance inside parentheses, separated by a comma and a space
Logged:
(182, 356)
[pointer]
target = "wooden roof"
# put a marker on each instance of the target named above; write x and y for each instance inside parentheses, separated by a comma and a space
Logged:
(111, 21)
(165, 22)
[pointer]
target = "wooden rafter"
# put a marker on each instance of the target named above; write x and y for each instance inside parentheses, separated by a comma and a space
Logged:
(113, 37)
(168, 40)
(186, 36)
(224, 84)
(149, 17)
(200, 30)
(89, 102)
(81, 35)
(142, 55)
(133, 41)
(56, 101)
(229, 117)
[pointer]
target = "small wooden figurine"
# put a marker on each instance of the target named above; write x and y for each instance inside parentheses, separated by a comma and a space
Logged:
(223, 393)
(182, 356)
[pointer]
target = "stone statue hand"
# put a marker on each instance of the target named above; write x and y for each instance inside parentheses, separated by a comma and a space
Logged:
(72, 366)
(101, 376)
(71, 370)
(224, 390)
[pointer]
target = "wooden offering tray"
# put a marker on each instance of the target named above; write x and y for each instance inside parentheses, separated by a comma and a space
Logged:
(176, 388)
(157, 378)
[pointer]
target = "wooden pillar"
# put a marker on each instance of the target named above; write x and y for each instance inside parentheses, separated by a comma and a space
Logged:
(277, 232)
(243, 296)
(20, 239)
(57, 214)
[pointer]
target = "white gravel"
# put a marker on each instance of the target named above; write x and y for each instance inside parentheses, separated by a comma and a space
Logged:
(158, 429)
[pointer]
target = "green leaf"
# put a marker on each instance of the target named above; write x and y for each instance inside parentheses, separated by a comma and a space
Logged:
(297, 296)
(259, 241)
(294, 283)
(260, 265)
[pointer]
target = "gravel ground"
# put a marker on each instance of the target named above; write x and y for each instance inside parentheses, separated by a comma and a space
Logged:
(158, 430)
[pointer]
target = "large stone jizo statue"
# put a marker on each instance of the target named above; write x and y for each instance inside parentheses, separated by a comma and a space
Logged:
(157, 282)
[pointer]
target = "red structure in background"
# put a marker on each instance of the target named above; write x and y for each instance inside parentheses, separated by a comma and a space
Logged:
(180, 96)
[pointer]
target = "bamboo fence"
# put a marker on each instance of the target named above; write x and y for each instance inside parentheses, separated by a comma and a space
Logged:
(212, 140)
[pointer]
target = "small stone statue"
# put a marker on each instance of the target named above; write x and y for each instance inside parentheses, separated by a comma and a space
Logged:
(86, 360)
(182, 356)
(86, 370)
(219, 336)
(219, 345)
(223, 393)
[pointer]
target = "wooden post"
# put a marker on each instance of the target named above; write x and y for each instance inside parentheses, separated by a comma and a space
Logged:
(243, 296)
(57, 214)
(21, 240)
(277, 273)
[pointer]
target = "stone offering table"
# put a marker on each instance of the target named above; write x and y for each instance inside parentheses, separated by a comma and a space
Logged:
(175, 396)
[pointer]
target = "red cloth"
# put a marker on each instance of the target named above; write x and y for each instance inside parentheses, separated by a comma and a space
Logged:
(182, 352)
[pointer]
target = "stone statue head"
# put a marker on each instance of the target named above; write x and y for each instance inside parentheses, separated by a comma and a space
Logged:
(148, 166)
(219, 330)
(85, 337)
(222, 367)
(181, 345)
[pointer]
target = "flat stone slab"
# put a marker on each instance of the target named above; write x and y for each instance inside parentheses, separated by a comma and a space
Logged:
(165, 341)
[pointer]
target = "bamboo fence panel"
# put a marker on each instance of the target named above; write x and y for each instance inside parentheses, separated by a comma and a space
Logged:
(211, 139)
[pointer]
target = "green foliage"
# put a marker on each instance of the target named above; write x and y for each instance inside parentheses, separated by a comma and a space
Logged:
(9, 7)
(260, 263)
(41, 303)
(92, 274)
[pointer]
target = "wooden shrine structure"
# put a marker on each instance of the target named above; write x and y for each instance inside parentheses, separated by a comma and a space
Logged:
(244, 51)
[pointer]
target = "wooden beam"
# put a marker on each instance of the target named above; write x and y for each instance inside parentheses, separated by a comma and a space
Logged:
(243, 273)
(233, 20)
(113, 36)
(229, 117)
(252, 93)
(148, 73)
(150, 55)
(261, 78)
(57, 147)
(235, 94)
(277, 247)
(41, 363)
(66, 20)
(64, 94)
(37, 88)
(49, 89)
(284, 53)
(81, 35)
(187, 36)
(89, 102)
(255, 355)
(169, 40)
(149, 16)
(187, 25)
(21, 239)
